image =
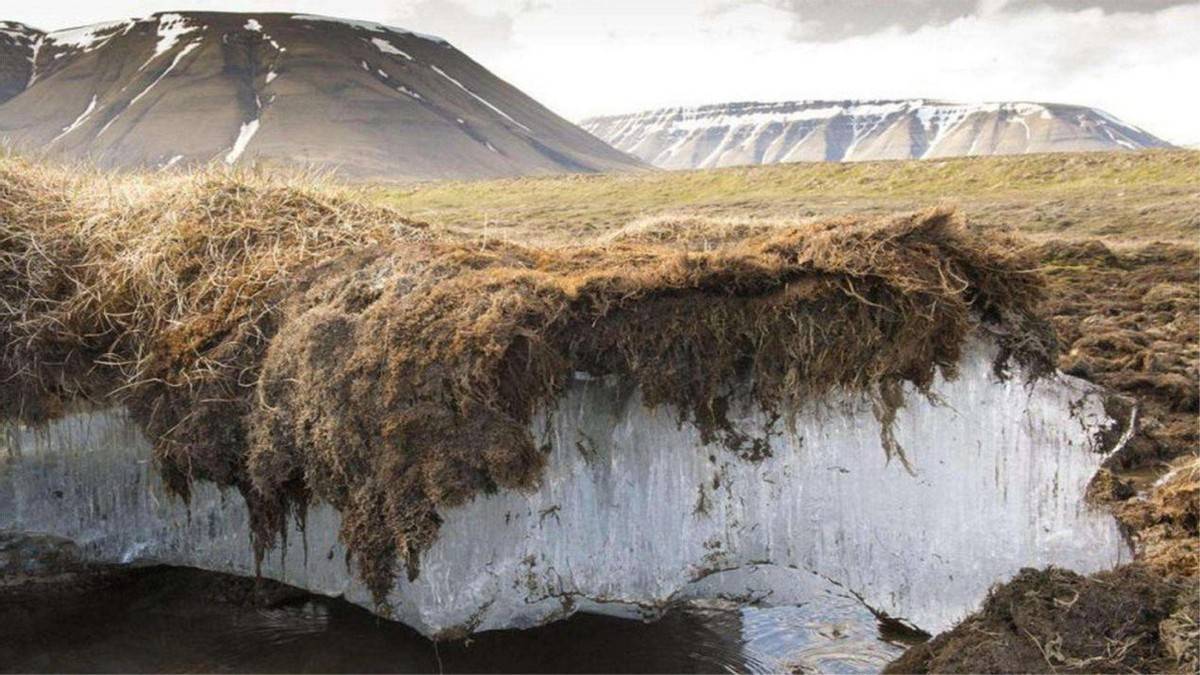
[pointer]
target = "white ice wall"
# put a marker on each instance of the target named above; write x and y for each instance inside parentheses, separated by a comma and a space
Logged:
(998, 476)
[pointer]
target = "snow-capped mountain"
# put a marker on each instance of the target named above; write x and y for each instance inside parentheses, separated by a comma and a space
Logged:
(179, 89)
(764, 133)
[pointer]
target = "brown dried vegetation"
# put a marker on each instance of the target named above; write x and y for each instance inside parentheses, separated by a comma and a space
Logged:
(1165, 522)
(1053, 620)
(1128, 318)
(290, 343)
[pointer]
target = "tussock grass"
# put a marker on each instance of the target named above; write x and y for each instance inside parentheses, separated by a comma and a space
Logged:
(282, 338)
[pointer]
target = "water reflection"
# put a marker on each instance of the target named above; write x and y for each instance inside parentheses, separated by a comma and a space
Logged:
(173, 620)
(833, 633)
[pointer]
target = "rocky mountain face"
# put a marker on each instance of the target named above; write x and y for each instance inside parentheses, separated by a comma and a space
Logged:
(182, 89)
(18, 45)
(765, 133)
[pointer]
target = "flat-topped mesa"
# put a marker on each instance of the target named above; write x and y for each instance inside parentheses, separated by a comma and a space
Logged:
(793, 131)
(369, 100)
(432, 403)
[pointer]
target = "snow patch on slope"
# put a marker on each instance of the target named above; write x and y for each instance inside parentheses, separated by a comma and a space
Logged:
(18, 31)
(171, 27)
(88, 37)
(692, 120)
(1030, 109)
(479, 98)
(254, 26)
(388, 48)
(33, 59)
(245, 134)
(182, 53)
(78, 120)
(937, 121)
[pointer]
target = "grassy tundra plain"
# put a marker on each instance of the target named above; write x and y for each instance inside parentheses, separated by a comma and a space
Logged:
(1142, 196)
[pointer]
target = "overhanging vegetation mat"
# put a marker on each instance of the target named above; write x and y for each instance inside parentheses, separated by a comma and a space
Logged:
(288, 341)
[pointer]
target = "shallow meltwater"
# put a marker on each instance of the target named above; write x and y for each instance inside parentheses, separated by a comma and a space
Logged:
(181, 620)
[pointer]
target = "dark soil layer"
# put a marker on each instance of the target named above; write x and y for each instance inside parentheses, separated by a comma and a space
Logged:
(1053, 620)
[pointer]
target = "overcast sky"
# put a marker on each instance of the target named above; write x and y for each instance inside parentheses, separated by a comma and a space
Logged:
(1137, 59)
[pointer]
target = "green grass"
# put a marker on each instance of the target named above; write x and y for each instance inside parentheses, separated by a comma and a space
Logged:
(1144, 195)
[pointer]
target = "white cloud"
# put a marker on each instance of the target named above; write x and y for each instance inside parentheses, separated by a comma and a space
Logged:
(583, 57)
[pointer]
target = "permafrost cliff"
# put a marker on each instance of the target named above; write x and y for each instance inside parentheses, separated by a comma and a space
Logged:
(992, 479)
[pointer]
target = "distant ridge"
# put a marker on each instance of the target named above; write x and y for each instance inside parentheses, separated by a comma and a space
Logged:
(797, 131)
(187, 88)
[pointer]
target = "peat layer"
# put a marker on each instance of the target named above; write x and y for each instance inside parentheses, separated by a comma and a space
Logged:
(285, 340)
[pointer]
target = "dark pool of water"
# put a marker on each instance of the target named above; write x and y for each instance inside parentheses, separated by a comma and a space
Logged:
(174, 620)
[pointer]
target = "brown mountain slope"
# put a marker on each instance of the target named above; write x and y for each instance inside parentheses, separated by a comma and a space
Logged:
(179, 89)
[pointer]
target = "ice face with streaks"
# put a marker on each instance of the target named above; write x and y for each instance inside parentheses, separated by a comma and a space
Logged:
(634, 513)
